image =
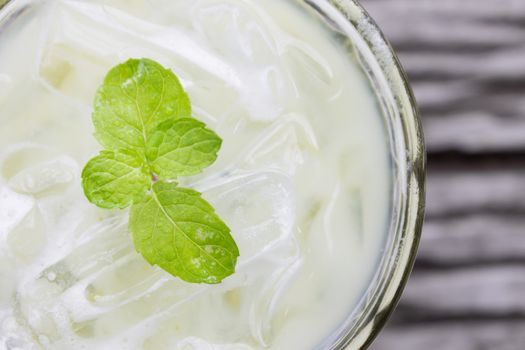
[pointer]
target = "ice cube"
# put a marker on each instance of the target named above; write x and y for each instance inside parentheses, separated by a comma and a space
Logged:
(43, 300)
(283, 146)
(16, 343)
(14, 207)
(267, 294)
(67, 215)
(14, 332)
(309, 68)
(193, 343)
(312, 74)
(77, 52)
(45, 176)
(70, 63)
(129, 277)
(28, 237)
(236, 31)
(8, 278)
(240, 34)
(100, 246)
(5, 86)
(18, 157)
(258, 207)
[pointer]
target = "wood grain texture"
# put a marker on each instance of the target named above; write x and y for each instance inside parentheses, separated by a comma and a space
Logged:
(466, 62)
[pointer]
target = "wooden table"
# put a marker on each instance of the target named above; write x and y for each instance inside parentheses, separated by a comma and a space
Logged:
(466, 62)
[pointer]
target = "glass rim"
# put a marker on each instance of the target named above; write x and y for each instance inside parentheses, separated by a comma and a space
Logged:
(408, 210)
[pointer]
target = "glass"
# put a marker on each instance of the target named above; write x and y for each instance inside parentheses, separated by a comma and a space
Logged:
(408, 158)
(401, 118)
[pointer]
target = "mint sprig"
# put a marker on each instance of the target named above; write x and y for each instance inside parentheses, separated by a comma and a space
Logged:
(143, 117)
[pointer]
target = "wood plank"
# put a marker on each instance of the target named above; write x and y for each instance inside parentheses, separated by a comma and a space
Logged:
(477, 239)
(456, 193)
(509, 335)
(475, 132)
(437, 26)
(491, 292)
(473, 63)
(467, 8)
(498, 97)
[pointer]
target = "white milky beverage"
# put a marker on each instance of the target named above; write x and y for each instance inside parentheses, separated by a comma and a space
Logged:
(303, 178)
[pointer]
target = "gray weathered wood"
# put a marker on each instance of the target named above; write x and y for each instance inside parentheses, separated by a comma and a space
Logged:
(463, 293)
(475, 239)
(453, 192)
(466, 62)
(492, 335)
(476, 132)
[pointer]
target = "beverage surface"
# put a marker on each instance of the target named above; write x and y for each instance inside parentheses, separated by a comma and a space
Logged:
(303, 177)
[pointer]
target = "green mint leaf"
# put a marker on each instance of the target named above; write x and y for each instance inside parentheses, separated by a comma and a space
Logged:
(143, 117)
(181, 147)
(135, 97)
(176, 229)
(115, 179)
